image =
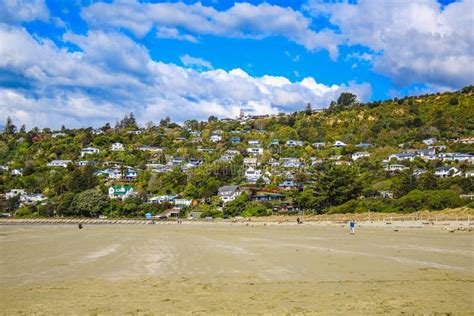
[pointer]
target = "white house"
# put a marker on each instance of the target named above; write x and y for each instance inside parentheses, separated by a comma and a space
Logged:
(229, 193)
(182, 202)
(294, 143)
(402, 156)
(215, 138)
(117, 147)
(430, 141)
(339, 144)
(250, 162)
(33, 198)
(447, 172)
(89, 151)
(14, 192)
(150, 149)
(255, 151)
(290, 163)
(360, 154)
(59, 163)
(3, 167)
(252, 175)
(254, 142)
(469, 173)
(395, 167)
(54, 135)
(17, 172)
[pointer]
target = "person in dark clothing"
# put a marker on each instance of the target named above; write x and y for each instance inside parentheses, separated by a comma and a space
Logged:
(80, 226)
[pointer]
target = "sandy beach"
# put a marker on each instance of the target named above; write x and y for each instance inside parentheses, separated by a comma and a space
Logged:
(214, 268)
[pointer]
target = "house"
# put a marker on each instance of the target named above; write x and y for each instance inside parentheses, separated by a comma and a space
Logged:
(150, 149)
(403, 156)
(232, 152)
(363, 145)
(395, 168)
(386, 194)
(360, 154)
(418, 171)
(54, 135)
(428, 154)
(3, 168)
(162, 198)
(226, 158)
(130, 174)
(84, 163)
(17, 172)
(290, 163)
(430, 141)
(59, 163)
(447, 172)
(215, 138)
(254, 142)
(171, 213)
(182, 202)
(274, 142)
(469, 173)
(121, 191)
(287, 185)
(469, 140)
(250, 162)
(255, 151)
(34, 198)
(456, 157)
(294, 143)
(89, 151)
(285, 207)
(266, 197)
(117, 147)
(234, 140)
(229, 193)
(339, 144)
(252, 175)
(110, 173)
(319, 144)
(342, 163)
(137, 132)
(14, 192)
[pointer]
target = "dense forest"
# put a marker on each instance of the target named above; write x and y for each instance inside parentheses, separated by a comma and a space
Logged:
(397, 155)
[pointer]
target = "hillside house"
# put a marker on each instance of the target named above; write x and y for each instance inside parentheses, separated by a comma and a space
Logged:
(229, 193)
(339, 144)
(59, 163)
(360, 154)
(89, 151)
(447, 172)
(255, 151)
(294, 143)
(117, 147)
(395, 168)
(121, 191)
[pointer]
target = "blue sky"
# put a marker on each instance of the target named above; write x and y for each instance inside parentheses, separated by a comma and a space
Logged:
(84, 63)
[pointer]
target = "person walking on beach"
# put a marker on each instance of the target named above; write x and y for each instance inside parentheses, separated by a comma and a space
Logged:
(352, 226)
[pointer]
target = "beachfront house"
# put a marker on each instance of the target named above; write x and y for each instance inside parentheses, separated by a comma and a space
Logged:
(229, 193)
(33, 198)
(59, 163)
(89, 151)
(121, 191)
(14, 192)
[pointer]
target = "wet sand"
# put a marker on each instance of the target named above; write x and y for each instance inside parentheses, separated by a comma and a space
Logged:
(234, 269)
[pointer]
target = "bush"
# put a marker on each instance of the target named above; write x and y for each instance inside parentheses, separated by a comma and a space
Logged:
(418, 200)
(256, 209)
(23, 211)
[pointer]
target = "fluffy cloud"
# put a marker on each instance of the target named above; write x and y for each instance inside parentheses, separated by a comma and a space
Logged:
(414, 41)
(16, 11)
(198, 63)
(242, 20)
(111, 75)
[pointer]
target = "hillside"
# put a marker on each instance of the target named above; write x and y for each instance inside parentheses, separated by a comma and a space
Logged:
(396, 155)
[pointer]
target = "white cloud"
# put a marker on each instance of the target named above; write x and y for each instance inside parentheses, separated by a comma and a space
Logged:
(173, 33)
(242, 20)
(195, 62)
(414, 41)
(17, 11)
(112, 75)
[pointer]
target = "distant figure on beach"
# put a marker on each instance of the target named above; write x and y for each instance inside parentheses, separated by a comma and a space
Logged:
(298, 221)
(79, 226)
(352, 226)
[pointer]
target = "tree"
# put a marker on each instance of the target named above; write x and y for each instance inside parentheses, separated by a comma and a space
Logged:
(335, 186)
(453, 101)
(308, 109)
(346, 99)
(89, 203)
(10, 128)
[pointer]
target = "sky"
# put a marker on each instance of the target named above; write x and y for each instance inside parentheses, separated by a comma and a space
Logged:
(84, 63)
